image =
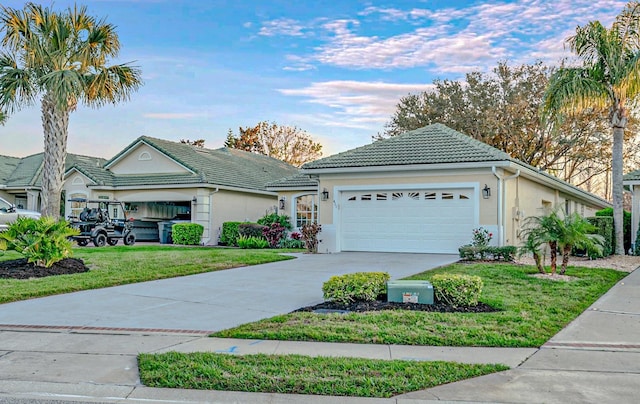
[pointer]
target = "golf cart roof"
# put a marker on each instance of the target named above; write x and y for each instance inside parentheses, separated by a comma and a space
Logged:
(85, 200)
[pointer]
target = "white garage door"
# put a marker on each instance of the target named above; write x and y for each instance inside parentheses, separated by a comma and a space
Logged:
(421, 220)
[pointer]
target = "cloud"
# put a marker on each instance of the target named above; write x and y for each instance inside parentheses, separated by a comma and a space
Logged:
(355, 104)
(282, 27)
(448, 40)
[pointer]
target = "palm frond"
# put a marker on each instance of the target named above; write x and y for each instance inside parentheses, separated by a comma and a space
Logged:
(627, 25)
(112, 84)
(574, 89)
(16, 85)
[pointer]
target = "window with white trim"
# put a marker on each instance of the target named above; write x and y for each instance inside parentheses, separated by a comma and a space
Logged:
(306, 210)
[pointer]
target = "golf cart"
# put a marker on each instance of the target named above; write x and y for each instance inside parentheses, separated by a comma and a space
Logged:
(95, 225)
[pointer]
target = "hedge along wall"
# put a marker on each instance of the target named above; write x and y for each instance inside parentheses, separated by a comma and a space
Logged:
(605, 229)
(626, 224)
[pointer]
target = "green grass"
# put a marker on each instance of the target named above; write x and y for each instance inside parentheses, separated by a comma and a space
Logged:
(295, 374)
(119, 265)
(532, 311)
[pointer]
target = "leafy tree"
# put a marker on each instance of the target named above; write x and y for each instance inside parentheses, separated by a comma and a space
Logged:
(608, 80)
(287, 143)
(503, 109)
(61, 59)
(196, 143)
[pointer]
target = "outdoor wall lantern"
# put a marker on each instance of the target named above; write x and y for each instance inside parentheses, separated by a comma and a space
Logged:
(195, 199)
(282, 202)
(486, 192)
(325, 194)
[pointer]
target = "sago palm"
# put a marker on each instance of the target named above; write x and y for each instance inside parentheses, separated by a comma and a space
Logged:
(575, 231)
(61, 60)
(609, 79)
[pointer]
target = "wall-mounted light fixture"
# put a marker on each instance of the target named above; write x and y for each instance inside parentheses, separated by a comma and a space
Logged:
(486, 192)
(282, 202)
(324, 195)
(195, 199)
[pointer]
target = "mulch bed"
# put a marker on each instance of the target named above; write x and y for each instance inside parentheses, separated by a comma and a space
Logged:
(21, 269)
(382, 304)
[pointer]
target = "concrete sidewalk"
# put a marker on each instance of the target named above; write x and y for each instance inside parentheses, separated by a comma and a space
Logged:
(596, 359)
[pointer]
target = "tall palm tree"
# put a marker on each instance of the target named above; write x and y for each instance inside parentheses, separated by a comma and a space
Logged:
(608, 79)
(60, 59)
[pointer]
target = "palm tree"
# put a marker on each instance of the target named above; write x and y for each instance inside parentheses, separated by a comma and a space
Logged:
(540, 230)
(61, 60)
(575, 232)
(609, 79)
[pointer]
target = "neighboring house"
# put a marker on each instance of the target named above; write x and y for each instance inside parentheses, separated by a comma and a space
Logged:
(423, 191)
(632, 180)
(159, 180)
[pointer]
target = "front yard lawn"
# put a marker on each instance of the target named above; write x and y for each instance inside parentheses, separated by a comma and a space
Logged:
(295, 374)
(532, 311)
(119, 265)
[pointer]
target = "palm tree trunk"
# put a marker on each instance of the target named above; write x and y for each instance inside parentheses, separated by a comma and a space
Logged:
(616, 180)
(538, 259)
(566, 250)
(553, 246)
(55, 122)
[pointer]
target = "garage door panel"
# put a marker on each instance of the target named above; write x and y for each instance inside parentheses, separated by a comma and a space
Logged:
(437, 221)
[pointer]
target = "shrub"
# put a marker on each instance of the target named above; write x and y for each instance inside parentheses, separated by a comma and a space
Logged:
(252, 242)
(187, 233)
(364, 286)
(481, 237)
(310, 236)
(626, 223)
(251, 229)
(604, 225)
(457, 290)
(291, 243)
(282, 220)
(274, 234)
(471, 253)
(43, 241)
(229, 233)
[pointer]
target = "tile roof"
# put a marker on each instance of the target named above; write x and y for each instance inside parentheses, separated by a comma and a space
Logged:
(433, 144)
(224, 167)
(298, 180)
(632, 176)
(7, 166)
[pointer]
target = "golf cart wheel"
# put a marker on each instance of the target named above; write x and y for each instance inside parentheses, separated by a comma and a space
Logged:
(112, 241)
(129, 239)
(82, 242)
(100, 240)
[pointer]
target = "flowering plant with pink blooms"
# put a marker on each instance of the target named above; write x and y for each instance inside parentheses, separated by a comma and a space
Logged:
(481, 237)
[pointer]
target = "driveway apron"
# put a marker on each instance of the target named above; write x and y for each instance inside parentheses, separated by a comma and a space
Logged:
(212, 301)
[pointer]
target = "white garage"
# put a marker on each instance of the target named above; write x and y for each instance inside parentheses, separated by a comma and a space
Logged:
(406, 219)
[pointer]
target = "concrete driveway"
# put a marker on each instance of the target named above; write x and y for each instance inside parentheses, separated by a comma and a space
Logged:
(212, 301)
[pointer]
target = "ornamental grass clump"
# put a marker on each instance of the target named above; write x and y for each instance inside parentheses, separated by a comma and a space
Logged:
(357, 286)
(457, 290)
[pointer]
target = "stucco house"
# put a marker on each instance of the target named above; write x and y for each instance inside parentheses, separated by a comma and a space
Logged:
(423, 191)
(159, 180)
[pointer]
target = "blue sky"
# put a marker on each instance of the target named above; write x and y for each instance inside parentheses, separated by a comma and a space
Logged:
(333, 68)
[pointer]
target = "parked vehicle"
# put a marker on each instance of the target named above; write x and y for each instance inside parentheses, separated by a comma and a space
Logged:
(9, 213)
(95, 224)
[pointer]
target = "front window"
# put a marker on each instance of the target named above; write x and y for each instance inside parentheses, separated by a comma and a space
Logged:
(306, 210)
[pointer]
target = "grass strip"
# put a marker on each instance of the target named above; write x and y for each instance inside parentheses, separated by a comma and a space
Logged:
(120, 265)
(296, 374)
(532, 311)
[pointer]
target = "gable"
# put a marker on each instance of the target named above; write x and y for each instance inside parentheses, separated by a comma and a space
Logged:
(143, 159)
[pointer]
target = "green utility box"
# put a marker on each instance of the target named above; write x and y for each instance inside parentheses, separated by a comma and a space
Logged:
(410, 292)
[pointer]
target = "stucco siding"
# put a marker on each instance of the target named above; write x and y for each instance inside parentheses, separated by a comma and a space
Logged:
(228, 206)
(146, 160)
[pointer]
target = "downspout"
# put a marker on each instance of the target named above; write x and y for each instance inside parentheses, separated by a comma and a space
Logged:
(211, 216)
(502, 201)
